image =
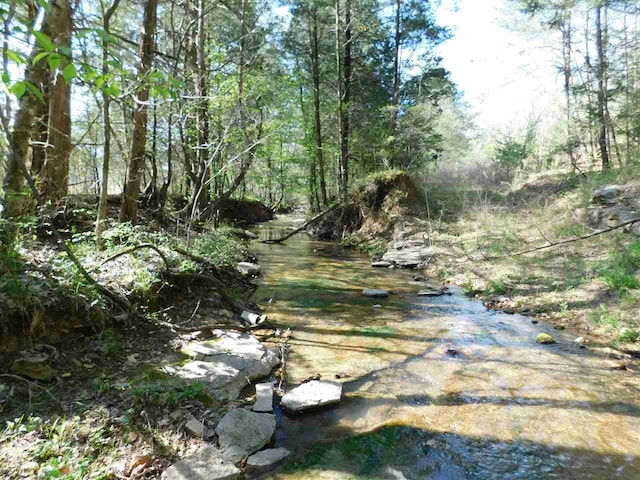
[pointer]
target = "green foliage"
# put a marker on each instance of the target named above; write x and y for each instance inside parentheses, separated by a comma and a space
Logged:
(511, 153)
(606, 318)
(220, 246)
(619, 270)
(156, 389)
(628, 335)
(497, 287)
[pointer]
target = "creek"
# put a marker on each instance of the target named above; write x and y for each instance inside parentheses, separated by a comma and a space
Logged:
(436, 387)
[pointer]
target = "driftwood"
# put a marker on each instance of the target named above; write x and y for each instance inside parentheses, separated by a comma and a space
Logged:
(303, 226)
(217, 326)
(567, 240)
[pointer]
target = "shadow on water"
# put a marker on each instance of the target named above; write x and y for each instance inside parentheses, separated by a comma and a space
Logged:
(404, 452)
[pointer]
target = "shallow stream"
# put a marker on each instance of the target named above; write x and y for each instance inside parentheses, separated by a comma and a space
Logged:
(436, 387)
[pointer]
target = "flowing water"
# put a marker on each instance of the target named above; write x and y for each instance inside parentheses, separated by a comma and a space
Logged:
(437, 388)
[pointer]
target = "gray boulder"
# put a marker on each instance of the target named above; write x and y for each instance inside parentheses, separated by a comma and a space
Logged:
(207, 464)
(312, 395)
(608, 194)
(242, 432)
(266, 460)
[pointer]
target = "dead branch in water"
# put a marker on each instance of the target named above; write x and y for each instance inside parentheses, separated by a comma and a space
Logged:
(303, 226)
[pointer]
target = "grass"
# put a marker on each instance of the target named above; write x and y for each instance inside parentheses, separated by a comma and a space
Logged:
(497, 287)
(606, 318)
(619, 269)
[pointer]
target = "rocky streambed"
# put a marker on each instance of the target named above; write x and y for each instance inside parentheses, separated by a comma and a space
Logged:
(393, 378)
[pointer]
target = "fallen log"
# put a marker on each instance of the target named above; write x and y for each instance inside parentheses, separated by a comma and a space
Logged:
(303, 226)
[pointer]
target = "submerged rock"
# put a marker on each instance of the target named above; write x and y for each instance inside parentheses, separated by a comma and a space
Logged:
(312, 395)
(375, 293)
(242, 432)
(266, 460)
(207, 464)
(226, 363)
(545, 339)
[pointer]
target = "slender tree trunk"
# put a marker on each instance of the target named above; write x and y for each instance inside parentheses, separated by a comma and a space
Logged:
(203, 110)
(129, 208)
(315, 68)
(106, 120)
(566, 57)
(602, 94)
(627, 93)
(395, 101)
(344, 86)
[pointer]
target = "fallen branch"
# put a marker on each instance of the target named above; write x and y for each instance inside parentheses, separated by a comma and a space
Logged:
(129, 250)
(217, 326)
(303, 226)
(568, 240)
(32, 384)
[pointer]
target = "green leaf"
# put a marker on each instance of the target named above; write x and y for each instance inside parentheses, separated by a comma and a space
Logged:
(39, 57)
(15, 56)
(69, 72)
(44, 41)
(18, 89)
(54, 61)
(35, 91)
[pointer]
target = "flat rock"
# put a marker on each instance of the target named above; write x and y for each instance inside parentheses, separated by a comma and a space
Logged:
(266, 459)
(264, 398)
(248, 269)
(242, 432)
(312, 395)
(545, 339)
(375, 293)
(226, 363)
(207, 464)
(409, 256)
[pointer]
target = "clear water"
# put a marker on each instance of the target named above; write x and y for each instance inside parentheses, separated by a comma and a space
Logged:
(437, 388)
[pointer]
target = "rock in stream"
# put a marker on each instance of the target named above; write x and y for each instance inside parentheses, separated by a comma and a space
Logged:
(312, 395)
(242, 432)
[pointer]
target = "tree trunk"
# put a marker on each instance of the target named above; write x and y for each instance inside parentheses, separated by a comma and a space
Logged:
(344, 81)
(54, 176)
(315, 68)
(566, 58)
(602, 94)
(106, 119)
(16, 200)
(129, 208)
(395, 101)
(203, 110)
